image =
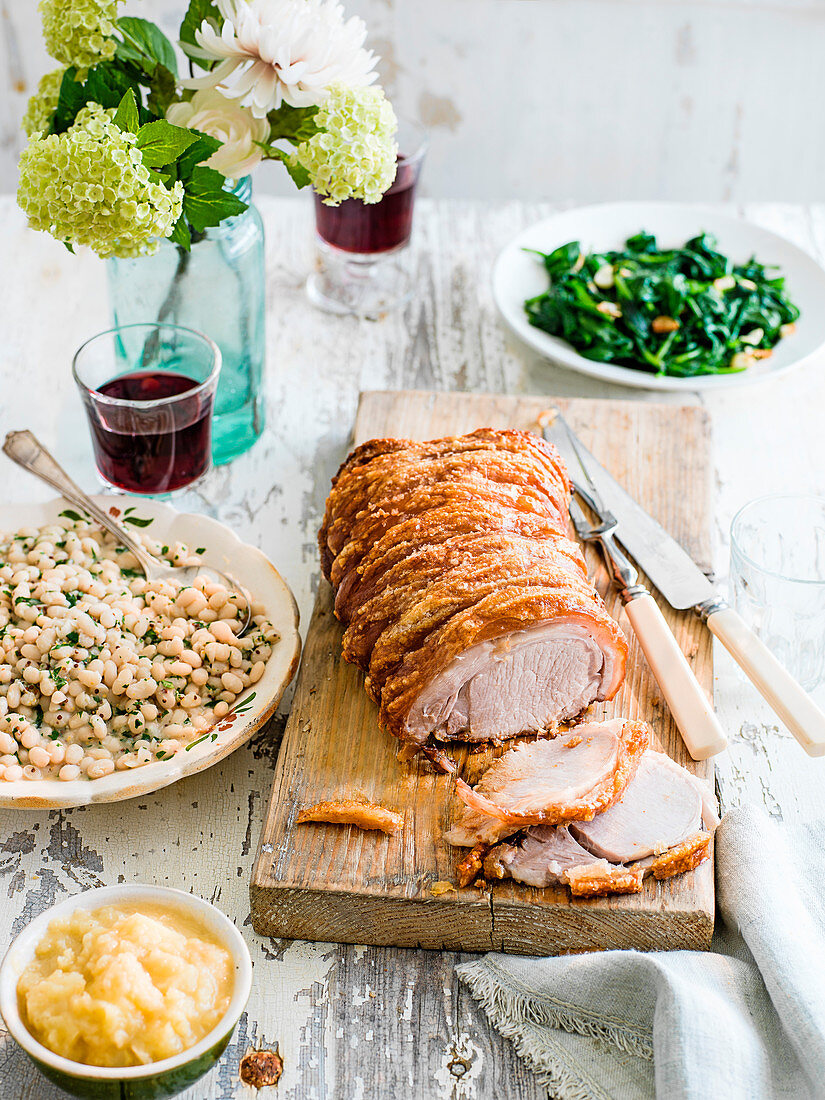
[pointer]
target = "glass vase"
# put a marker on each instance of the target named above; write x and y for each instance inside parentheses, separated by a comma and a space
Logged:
(219, 289)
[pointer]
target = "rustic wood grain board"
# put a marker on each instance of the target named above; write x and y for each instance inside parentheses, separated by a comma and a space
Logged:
(327, 882)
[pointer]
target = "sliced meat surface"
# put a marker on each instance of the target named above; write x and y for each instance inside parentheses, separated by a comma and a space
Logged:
(658, 810)
(519, 660)
(522, 683)
(540, 859)
(571, 777)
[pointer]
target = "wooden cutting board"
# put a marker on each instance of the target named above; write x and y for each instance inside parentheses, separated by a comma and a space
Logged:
(328, 882)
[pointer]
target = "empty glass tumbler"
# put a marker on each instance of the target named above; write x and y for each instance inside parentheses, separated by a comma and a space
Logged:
(778, 579)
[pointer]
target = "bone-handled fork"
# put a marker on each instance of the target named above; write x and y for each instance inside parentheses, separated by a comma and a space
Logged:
(688, 703)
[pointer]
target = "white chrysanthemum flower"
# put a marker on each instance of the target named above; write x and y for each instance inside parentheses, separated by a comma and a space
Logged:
(282, 51)
(212, 113)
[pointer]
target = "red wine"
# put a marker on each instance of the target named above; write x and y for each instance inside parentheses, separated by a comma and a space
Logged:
(355, 226)
(152, 449)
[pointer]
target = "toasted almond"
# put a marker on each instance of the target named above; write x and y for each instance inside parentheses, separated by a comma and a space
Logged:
(725, 282)
(762, 353)
(754, 337)
(789, 329)
(609, 309)
(665, 324)
(604, 277)
(742, 360)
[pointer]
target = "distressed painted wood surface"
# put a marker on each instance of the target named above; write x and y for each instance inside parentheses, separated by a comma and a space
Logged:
(351, 1022)
(378, 889)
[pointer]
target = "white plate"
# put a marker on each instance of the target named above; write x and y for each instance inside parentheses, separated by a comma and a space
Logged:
(226, 552)
(518, 275)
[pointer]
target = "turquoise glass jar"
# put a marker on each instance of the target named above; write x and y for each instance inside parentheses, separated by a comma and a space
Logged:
(219, 289)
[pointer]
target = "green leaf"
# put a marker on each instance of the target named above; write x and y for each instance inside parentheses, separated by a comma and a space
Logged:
(162, 90)
(136, 521)
(73, 516)
(106, 84)
(126, 116)
(206, 203)
(198, 151)
(299, 175)
(198, 11)
(161, 143)
(69, 101)
(180, 235)
(295, 124)
(148, 41)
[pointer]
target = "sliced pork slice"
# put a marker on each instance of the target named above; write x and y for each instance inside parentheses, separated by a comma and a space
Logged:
(449, 574)
(540, 858)
(519, 660)
(658, 810)
(464, 603)
(571, 777)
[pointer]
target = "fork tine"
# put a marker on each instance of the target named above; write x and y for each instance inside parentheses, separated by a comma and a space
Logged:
(584, 529)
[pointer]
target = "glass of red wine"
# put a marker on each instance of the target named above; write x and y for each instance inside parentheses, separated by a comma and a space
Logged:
(149, 391)
(363, 267)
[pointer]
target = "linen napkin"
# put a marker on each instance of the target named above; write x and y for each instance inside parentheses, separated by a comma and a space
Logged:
(745, 1020)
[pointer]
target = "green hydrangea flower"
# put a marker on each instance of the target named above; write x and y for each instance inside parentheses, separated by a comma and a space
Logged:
(79, 32)
(89, 186)
(354, 154)
(43, 103)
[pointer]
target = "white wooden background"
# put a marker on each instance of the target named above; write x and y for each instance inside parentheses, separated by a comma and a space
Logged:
(551, 99)
(351, 1023)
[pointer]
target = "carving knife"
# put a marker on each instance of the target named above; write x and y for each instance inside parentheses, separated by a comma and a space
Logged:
(684, 585)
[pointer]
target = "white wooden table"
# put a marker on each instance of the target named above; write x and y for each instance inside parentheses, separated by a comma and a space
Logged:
(350, 1023)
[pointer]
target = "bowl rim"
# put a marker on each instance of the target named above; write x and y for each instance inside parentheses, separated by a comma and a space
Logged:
(22, 949)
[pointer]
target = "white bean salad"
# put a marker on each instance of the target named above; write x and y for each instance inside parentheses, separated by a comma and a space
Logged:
(102, 670)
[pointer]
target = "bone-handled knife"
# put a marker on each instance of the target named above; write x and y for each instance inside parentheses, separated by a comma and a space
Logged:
(691, 709)
(684, 585)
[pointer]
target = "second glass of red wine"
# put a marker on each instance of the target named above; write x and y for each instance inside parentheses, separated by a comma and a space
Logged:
(363, 264)
(149, 391)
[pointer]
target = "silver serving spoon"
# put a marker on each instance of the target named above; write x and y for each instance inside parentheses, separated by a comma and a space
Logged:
(24, 449)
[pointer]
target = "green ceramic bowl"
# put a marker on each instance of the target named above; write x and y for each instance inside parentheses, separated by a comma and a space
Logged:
(158, 1079)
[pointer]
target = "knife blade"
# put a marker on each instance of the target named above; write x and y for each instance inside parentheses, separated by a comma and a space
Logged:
(684, 585)
(666, 564)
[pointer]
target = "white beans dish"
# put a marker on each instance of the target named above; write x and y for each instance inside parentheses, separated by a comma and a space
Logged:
(102, 670)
